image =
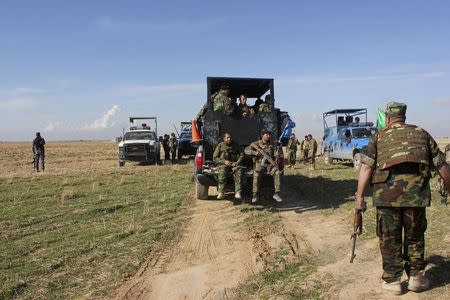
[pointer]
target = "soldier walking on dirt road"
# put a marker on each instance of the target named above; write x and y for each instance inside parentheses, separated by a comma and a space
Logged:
(398, 161)
(39, 152)
(228, 156)
(292, 150)
(262, 164)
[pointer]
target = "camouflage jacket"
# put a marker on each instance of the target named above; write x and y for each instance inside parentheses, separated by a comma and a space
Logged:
(447, 153)
(272, 149)
(263, 107)
(405, 183)
(311, 145)
(292, 144)
(245, 109)
(173, 143)
(222, 102)
(230, 152)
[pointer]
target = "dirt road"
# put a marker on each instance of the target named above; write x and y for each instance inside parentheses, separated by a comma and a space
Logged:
(218, 252)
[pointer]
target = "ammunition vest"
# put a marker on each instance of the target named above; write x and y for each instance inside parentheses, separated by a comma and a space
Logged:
(401, 143)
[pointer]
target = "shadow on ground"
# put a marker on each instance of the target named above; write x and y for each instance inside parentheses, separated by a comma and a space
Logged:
(439, 273)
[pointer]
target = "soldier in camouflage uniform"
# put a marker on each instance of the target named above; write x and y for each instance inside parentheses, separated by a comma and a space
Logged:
(312, 150)
(266, 106)
(243, 109)
(173, 145)
(221, 101)
(398, 161)
(304, 149)
(228, 156)
(292, 150)
(260, 165)
(442, 190)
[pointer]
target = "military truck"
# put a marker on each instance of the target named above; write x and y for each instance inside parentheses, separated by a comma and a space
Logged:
(244, 130)
(140, 143)
(346, 136)
(185, 145)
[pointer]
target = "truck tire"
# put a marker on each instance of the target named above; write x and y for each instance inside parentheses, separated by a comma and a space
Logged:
(201, 191)
(327, 159)
(357, 162)
(121, 163)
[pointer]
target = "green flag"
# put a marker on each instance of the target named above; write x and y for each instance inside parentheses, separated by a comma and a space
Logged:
(381, 119)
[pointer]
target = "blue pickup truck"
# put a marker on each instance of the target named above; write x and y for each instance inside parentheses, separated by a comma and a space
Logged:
(345, 135)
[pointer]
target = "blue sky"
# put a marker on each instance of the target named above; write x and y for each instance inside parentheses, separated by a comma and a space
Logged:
(78, 69)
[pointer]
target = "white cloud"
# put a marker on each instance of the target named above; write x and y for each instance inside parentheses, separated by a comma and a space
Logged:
(106, 121)
(17, 104)
(442, 101)
(52, 126)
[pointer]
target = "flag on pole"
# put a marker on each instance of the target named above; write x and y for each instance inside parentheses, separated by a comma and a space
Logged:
(381, 119)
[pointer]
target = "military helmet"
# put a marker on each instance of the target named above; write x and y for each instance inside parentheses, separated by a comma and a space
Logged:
(396, 109)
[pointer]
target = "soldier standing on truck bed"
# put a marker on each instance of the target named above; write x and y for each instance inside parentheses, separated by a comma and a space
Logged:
(292, 150)
(243, 109)
(228, 156)
(261, 164)
(38, 152)
(221, 101)
(173, 144)
(398, 161)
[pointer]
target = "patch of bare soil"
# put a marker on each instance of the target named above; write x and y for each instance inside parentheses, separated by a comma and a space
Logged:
(328, 237)
(214, 256)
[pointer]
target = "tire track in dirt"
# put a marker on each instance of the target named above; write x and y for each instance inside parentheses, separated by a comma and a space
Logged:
(213, 256)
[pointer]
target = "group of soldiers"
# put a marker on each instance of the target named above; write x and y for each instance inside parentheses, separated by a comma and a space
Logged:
(308, 149)
(223, 102)
(170, 145)
(265, 155)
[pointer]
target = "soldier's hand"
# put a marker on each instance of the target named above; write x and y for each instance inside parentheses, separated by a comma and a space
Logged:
(360, 203)
(227, 163)
(257, 153)
(234, 164)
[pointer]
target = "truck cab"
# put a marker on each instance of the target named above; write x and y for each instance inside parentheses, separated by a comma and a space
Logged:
(140, 143)
(345, 135)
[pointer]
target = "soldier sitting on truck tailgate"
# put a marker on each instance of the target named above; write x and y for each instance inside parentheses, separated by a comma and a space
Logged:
(228, 156)
(265, 158)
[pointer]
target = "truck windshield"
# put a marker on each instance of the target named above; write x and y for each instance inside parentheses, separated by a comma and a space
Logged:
(186, 135)
(359, 133)
(139, 135)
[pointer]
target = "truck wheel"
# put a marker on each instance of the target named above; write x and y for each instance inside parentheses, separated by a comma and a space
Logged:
(357, 162)
(121, 163)
(328, 160)
(201, 191)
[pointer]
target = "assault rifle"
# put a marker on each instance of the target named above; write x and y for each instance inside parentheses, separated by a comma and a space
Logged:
(357, 229)
(266, 156)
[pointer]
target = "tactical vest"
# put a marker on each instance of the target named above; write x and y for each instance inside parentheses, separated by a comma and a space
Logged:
(229, 152)
(401, 143)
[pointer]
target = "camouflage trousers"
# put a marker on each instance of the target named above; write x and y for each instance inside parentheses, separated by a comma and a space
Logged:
(292, 156)
(257, 173)
(401, 251)
(442, 190)
(39, 157)
(222, 175)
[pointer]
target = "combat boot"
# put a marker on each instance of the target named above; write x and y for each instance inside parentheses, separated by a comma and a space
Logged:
(277, 197)
(418, 282)
(394, 287)
(255, 198)
(237, 195)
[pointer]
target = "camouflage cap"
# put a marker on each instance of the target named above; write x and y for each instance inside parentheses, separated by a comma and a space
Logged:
(396, 109)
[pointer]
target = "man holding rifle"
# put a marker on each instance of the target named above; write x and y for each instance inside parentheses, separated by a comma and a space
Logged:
(398, 161)
(266, 156)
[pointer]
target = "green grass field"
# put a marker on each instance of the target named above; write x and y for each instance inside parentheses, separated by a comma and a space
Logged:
(81, 232)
